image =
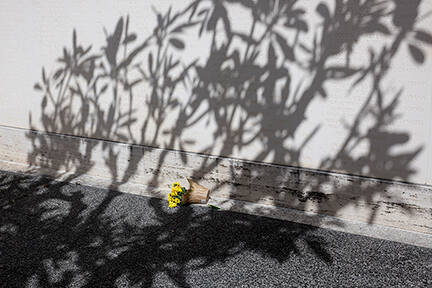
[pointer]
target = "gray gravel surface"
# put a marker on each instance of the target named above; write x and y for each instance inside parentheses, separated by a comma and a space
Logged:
(55, 234)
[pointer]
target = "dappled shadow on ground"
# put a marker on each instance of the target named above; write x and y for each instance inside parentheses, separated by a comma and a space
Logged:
(55, 233)
(247, 86)
(137, 242)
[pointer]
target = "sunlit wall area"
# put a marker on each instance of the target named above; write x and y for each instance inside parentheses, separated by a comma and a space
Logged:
(340, 86)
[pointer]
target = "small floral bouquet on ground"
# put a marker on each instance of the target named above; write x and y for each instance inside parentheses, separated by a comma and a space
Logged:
(196, 194)
(175, 198)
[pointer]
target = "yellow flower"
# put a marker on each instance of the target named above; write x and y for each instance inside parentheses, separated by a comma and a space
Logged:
(175, 195)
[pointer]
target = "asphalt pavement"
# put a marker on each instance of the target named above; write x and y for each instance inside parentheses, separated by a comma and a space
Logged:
(56, 234)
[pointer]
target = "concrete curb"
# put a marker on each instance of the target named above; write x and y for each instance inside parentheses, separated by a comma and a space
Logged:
(324, 199)
(326, 222)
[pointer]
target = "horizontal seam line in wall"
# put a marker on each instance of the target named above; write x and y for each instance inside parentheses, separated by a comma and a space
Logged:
(360, 177)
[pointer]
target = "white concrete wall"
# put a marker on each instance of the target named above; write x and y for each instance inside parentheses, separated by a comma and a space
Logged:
(390, 143)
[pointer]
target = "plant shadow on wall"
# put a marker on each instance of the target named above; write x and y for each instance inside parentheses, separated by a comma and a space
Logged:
(246, 85)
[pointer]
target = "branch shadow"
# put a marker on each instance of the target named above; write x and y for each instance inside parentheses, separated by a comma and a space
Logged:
(247, 88)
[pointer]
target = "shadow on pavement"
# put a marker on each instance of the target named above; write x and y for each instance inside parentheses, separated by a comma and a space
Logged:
(52, 233)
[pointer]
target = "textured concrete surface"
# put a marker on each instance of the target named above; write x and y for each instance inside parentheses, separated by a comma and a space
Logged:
(69, 235)
(326, 222)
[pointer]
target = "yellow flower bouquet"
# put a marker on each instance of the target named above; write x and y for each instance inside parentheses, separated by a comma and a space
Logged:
(175, 198)
(195, 194)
